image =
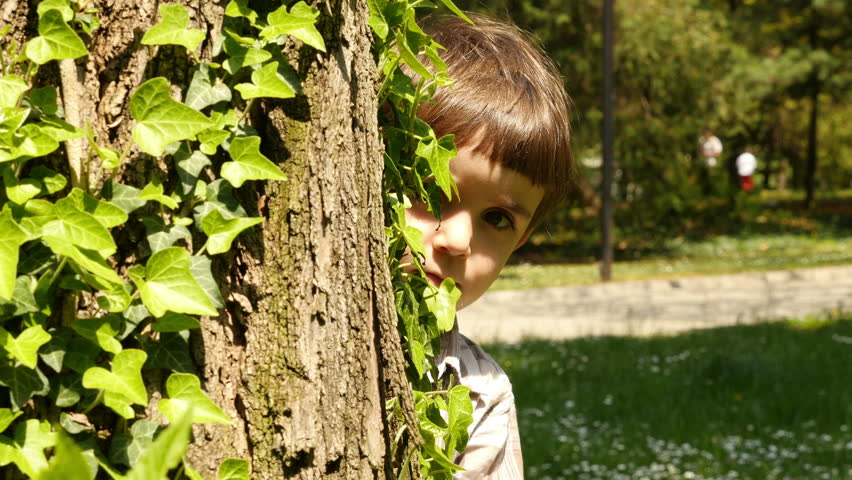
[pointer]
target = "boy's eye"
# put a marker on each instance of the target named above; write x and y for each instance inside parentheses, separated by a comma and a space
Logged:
(498, 219)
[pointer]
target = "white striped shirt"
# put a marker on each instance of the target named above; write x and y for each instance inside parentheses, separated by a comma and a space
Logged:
(494, 448)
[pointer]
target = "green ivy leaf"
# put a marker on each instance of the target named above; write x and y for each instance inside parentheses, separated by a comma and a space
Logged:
(105, 213)
(160, 119)
(174, 322)
(171, 352)
(299, 23)
(25, 347)
(29, 141)
(443, 304)
(23, 384)
(122, 196)
(222, 231)
(89, 260)
(7, 416)
(59, 129)
(453, 8)
(19, 191)
(52, 181)
(68, 462)
(32, 438)
(60, 5)
(185, 396)
(44, 98)
(168, 285)
(172, 30)
(211, 139)
(190, 164)
(220, 196)
(438, 154)
(125, 377)
(53, 352)
(101, 330)
(154, 191)
(248, 163)
(11, 237)
(80, 355)
(79, 228)
(164, 454)
(201, 268)
(56, 40)
(240, 8)
(11, 120)
(116, 299)
(12, 87)
(377, 18)
(127, 449)
(67, 389)
(234, 469)
(266, 82)
(159, 235)
(459, 417)
(240, 56)
(23, 301)
(109, 158)
(205, 89)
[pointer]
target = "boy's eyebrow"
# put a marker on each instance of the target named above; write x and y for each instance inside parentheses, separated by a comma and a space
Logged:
(516, 208)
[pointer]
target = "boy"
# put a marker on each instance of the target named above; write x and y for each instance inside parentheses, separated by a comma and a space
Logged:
(509, 112)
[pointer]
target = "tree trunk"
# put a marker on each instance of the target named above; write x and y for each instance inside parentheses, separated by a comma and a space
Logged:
(306, 352)
(811, 165)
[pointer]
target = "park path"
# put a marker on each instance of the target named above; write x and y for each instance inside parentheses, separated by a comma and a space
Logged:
(651, 307)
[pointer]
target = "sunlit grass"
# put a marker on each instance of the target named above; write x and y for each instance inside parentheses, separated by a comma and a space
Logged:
(719, 255)
(769, 401)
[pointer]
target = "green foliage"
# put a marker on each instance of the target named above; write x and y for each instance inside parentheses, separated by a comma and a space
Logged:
(172, 30)
(417, 170)
(60, 243)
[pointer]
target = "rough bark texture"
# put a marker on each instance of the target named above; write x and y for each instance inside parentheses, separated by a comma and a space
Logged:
(306, 352)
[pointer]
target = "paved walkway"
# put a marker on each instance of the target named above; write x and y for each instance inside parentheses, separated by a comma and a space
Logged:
(656, 306)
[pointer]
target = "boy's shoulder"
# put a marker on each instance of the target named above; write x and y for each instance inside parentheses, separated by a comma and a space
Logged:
(474, 367)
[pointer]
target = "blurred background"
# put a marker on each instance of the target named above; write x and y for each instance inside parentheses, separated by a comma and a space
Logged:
(770, 400)
(772, 76)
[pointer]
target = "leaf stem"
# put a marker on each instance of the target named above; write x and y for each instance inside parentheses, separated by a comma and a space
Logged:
(95, 402)
(246, 111)
(58, 270)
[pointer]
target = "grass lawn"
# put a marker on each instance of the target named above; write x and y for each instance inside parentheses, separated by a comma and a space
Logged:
(762, 402)
(722, 254)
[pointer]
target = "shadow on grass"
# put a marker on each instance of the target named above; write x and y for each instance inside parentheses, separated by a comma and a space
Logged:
(756, 400)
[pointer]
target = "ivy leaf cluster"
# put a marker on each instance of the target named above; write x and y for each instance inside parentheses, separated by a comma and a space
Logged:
(73, 383)
(417, 169)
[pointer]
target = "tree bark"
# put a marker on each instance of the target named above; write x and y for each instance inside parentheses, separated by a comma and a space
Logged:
(306, 352)
(312, 306)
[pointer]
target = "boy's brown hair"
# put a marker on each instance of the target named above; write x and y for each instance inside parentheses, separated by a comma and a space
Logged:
(508, 97)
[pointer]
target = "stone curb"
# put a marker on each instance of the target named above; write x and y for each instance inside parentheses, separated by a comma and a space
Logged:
(654, 307)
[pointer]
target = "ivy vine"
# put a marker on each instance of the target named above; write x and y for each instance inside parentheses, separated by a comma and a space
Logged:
(417, 166)
(62, 376)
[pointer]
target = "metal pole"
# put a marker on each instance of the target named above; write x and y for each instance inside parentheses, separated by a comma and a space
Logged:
(607, 139)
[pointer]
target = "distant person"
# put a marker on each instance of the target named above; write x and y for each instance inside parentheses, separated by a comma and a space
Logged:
(710, 147)
(746, 165)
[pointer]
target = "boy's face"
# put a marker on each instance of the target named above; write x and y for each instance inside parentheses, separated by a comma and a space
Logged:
(481, 228)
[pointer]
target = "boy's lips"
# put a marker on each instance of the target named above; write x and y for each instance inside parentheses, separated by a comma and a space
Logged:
(436, 279)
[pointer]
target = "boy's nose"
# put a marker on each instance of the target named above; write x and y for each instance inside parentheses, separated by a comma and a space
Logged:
(454, 234)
